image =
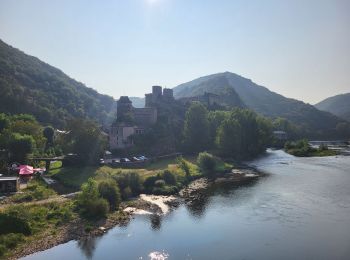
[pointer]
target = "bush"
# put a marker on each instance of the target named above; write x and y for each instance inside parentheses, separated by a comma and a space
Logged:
(89, 202)
(109, 190)
(183, 164)
(11, 240)
(2, 250)
(149, 182)
(159, 183)
(207, 163)
(12, 222)
(131, 180)
(169, 177)
(97, 208)
(126, 193)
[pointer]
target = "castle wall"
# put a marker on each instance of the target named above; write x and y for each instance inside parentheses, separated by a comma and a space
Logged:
(145, 116)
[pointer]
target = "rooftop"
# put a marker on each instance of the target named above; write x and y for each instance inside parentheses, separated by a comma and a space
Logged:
(8, 178)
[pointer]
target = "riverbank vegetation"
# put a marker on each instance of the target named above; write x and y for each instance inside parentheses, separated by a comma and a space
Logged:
(21, 224)
(302, 148)
(236, 134)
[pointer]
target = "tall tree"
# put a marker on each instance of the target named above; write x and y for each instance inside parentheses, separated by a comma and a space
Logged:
(196, 128)
(86, 140)
(228, 138)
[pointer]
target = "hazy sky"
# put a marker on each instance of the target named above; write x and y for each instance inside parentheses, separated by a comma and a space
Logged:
(300, 49)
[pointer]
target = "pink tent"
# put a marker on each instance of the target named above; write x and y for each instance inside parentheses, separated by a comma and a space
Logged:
(25, 170)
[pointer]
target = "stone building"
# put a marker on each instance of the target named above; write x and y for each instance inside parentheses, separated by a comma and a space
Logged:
(132, 121)
(158, 94)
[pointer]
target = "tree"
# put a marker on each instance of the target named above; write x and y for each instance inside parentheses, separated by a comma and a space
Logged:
(86, 140)
(109, 190)
(89, 202)
(4, 122)
(20, 146)
(48, 134)
(228, 138)
(196, 128)
(207, 163)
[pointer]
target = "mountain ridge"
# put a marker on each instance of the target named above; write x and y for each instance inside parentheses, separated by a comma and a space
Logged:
(338, 105)
(265, 102)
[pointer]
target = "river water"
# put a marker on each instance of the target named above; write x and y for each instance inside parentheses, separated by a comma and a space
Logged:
(299, 210)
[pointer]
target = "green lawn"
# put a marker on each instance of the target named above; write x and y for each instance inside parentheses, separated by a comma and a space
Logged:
(74, 177)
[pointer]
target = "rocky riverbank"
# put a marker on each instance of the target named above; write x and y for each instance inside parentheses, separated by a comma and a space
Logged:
(144, 204)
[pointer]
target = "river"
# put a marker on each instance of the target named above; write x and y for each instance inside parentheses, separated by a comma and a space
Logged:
(299, 210)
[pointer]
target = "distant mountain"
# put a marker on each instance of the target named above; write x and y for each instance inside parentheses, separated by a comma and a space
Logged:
(338, 105)
(137, 102)
(28, 85)
(263, 101)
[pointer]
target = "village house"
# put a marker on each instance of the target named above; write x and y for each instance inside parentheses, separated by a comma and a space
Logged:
(9, 184)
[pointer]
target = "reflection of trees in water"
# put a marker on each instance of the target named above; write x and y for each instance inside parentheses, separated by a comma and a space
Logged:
(197, 204)
(88, 246)
(199, 201)
(156, 221)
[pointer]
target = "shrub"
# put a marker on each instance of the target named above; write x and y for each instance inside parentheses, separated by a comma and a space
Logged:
(169, 177)
(96, 208)
(109, 190)
(183, 164)
(207, 163)
(131, 180)
(159, 183)
(2, 250)
(89, 202)
(126, 193)
(149, 181)
(11, 240)
(13, 222)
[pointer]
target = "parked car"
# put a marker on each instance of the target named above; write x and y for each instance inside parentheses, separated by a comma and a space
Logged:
(142, 158)
(135, 159)
(124, 160)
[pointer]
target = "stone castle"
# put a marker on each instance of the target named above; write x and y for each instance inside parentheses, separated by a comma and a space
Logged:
(133, 121)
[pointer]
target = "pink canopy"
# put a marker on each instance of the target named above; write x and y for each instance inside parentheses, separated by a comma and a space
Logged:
(26, 170)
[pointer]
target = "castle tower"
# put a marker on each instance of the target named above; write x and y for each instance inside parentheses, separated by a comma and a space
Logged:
(156, 93)
(148, 100)
(124, 107)
(168, 94)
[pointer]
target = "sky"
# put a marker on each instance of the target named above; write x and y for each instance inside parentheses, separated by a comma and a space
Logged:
(298, 48)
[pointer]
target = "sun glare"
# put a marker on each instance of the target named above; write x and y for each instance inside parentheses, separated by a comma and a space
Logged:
(152, 1)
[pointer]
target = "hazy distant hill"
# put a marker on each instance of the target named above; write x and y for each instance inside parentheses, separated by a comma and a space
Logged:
(262, 100)
(137, 101)
(338, 105)
(28, 85)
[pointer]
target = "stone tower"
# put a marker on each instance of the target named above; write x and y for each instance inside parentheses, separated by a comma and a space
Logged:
(124, 107)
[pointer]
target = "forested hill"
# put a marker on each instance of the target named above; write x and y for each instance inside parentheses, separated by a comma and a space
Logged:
(338, 105)
(263, 101)
(28, 85)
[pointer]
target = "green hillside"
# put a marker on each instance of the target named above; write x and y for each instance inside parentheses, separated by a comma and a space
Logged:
(28, 85)
(263, 101)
